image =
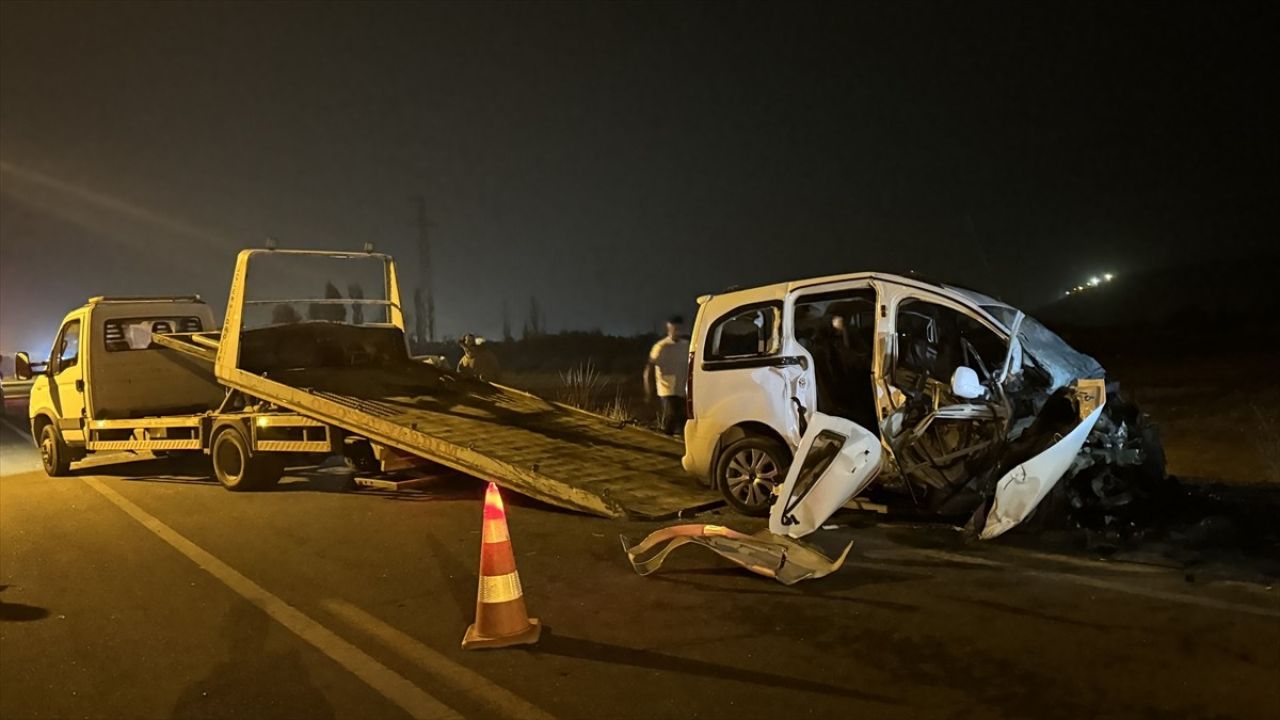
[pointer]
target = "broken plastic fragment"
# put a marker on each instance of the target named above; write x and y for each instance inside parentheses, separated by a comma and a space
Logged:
(764, 553)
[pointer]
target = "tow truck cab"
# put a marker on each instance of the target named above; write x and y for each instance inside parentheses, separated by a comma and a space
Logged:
(104, 368)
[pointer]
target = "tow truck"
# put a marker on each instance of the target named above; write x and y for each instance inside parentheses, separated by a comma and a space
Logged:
(295, 375)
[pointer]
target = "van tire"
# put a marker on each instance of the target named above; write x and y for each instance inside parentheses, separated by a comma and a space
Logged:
(54, 453)
(751, 495)
(237, 467)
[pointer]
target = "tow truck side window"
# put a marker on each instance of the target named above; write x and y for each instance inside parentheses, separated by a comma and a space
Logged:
(125, 334)
(68, 347)
(746, 332)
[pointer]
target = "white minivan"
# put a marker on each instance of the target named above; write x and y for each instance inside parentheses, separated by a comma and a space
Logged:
(945, 392)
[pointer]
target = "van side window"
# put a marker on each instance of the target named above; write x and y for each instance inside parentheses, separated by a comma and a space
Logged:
(68, 348)
(746, 332)
(934, 340)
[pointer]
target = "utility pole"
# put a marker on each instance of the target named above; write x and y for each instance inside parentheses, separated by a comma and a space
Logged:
(424, 301)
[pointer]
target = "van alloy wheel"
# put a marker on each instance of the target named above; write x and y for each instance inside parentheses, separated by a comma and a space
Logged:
(750, 469)
(752, 476)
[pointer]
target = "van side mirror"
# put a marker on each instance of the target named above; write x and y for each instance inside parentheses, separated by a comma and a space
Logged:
(965, 384)
(22, 366)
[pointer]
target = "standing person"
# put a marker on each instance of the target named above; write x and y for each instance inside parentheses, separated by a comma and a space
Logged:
(478, 360)
(666, 374)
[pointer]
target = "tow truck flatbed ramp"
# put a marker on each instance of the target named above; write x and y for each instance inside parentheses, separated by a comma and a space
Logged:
(547, 451)
(200, 345)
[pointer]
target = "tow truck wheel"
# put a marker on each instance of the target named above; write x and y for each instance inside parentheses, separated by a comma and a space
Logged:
(237, 467)
(54, 454)
(749, 470)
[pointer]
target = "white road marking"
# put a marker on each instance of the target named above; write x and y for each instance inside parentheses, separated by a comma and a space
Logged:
(497, 699)
(880, 566)
(1177, 597)
(24, 433)
(1105, 584)
(956, 557)
(387, 682)
(1090, 563)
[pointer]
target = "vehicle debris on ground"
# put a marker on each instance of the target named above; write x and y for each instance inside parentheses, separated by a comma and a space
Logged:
(774, 556)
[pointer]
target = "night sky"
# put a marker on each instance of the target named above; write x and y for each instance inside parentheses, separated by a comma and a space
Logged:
(617, 160)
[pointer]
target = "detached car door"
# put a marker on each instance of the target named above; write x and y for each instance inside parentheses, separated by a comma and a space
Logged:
(836, 459)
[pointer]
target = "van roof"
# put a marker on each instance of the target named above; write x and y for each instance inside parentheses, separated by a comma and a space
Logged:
(780, 289)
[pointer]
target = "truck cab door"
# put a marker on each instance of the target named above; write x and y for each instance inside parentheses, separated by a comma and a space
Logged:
(66, 380)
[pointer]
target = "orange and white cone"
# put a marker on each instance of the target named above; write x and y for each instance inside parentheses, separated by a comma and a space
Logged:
(501, 618)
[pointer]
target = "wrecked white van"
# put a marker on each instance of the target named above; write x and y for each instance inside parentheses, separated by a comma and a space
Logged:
(809, 392)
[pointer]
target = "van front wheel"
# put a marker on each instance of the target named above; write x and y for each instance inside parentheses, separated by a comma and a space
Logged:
(749, 471)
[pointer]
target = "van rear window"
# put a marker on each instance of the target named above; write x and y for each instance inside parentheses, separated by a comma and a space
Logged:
(128, 334)
(746, 332)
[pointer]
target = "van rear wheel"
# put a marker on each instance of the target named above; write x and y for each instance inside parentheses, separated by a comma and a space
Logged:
(238, 468)
(748, 472)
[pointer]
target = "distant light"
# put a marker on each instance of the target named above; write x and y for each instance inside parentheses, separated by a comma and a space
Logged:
(1093, 281)
(1109, 277)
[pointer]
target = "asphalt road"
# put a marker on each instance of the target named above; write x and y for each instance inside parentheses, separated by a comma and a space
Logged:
(139, 589)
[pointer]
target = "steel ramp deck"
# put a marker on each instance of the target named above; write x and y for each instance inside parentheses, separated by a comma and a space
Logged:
(550, 452)
(553, 453)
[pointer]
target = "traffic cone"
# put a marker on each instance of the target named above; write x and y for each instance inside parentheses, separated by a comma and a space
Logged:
(501, 618)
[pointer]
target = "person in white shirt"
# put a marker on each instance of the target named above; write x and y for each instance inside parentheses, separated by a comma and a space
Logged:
(666, 374)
